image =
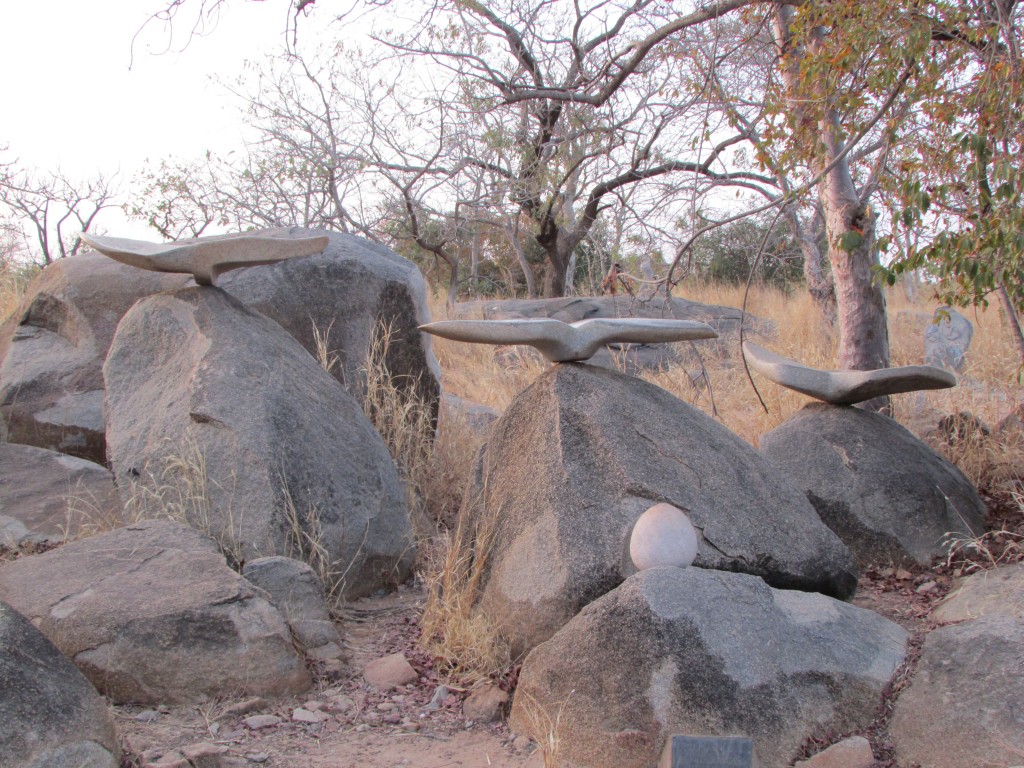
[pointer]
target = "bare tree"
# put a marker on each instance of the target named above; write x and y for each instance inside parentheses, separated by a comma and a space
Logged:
(46, 212)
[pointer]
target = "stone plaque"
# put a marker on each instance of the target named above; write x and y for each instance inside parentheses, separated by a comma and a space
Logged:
(708, 752)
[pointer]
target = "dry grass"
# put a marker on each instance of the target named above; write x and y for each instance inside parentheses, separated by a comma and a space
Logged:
(544, 728)
(404, 419)
(177, 487)
(464, 642)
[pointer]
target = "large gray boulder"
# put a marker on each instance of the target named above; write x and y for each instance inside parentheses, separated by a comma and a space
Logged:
(151, 614)
(52, 350)
(288, 462)
(581, 454)
(50, 716)
(964, 707)
(46, 496)
(887, 495)
(349, 290)
(701, 652)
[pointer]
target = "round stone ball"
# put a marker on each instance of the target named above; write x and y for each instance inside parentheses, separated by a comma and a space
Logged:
(663, 535)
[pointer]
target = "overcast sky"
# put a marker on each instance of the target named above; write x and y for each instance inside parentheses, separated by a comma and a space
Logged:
(74, 96)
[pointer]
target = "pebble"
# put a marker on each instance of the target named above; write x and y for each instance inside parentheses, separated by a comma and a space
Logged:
(386, 706)
(261, 721)
(258, 757)
(928, 586)
(246, 707)
(301, 715)
(147, 716)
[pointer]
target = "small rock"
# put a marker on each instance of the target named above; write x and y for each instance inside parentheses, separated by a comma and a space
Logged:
(485, 704)
(362, 727)
(147, 716)
(522, 744)
(389, 672)
(439, 698)
(256, 722)
(339, 704)
(171, 760)
(301, 715)
(204, 755)
(393, 719)
(257, 757)
(409, 725)
(314, 705)
(928, 586)
(385, 706)
(854, 752)
(244, 707)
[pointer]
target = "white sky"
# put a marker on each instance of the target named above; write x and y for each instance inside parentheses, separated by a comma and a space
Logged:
(70, 100)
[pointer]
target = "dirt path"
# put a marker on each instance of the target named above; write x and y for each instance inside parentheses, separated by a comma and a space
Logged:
(358, 726)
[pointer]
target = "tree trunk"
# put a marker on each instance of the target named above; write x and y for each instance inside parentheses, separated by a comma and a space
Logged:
(850, 229)
(1011, 320)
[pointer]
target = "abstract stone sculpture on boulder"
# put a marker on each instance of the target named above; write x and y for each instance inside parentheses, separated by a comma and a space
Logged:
(566, 342)
(697, 651)
(886, 494)
(844, 387)
(194, 375)
(205, 258)
(574, 462)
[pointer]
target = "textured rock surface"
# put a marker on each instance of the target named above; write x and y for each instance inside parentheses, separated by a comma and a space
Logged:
(346, 292)
(297, 592)
(705, 652)
(195, 374)
(50, 716)
(887, 494)
(581, 454)
(998, 592)
(52, 350)
(964, 707)
(854, 752)
(152, 614)
(45, 495)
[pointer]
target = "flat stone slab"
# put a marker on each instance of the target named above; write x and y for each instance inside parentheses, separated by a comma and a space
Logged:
(844, 387)
(567, 342)
(205, 259)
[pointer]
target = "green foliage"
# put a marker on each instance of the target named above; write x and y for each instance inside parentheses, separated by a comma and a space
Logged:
(727, 254)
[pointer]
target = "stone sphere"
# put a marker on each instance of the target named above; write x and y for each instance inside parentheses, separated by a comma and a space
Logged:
(663, 535)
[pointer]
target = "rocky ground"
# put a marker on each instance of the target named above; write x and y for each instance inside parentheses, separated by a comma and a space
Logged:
(345, 721)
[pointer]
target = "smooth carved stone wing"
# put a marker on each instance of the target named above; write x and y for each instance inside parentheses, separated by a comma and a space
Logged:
(565, 342)
(205, 259)
(844, 387)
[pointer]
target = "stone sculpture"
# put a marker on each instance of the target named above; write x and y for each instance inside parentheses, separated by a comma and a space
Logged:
(208, 258)
(844, 387)
(663, 535)
(947, 339)
(569, 342)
